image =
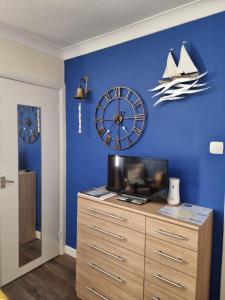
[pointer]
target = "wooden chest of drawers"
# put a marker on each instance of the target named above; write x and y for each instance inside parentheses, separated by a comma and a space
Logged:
(130, 252)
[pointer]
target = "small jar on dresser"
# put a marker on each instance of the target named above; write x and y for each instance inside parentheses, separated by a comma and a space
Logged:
(130, 252)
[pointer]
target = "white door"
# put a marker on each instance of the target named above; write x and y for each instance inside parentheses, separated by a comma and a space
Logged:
(12, 94)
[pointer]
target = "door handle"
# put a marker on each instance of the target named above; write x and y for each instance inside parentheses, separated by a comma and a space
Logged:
(176, 284)
(3, 182)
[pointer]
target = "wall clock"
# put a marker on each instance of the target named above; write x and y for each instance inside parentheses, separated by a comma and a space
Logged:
(28, 123)
(120, 118)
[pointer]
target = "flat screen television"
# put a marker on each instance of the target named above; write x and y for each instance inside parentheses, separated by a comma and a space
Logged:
(138, 177)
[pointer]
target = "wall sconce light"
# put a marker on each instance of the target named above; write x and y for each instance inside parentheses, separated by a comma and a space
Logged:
(81, 94)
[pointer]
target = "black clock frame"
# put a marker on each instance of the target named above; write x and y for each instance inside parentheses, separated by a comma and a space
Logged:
(120, 93)
(28, 120)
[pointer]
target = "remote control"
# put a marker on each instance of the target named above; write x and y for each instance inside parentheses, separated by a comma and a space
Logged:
(122, 198)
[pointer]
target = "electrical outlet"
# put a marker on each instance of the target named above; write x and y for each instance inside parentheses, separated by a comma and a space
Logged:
(216, 147)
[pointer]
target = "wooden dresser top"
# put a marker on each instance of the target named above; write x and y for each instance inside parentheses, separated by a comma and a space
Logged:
(148, 209)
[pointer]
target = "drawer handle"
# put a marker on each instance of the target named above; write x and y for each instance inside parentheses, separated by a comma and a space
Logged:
(107, 232)
(106, 252)
(168, 256)
(179, 237)
(176, 284)
(154, 298)
(106, 273)
(107, 214)
(96, 293)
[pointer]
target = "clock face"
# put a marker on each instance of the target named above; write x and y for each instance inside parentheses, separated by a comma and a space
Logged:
(120, 118)
(28, 123)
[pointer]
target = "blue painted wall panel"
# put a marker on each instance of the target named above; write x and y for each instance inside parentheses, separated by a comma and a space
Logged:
(180, 131)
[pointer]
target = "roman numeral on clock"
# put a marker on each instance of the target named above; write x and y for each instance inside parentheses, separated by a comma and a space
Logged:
(138, 131)
(118, 146)
(117, 92)
(107, 140)
(99, 107)
(98, 120)
(128, 94)
(128, 141)
(139, 117)
(137, 103)
(101, 131)
(107, 97)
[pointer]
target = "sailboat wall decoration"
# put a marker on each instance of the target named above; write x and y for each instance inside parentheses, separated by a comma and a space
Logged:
(180, 80)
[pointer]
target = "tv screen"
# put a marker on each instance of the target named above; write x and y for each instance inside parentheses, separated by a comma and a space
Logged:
(138, 177)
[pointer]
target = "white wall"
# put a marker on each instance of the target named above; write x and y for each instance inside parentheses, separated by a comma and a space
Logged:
(17, 60)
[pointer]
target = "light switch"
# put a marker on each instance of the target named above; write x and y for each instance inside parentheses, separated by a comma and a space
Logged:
(216, 147)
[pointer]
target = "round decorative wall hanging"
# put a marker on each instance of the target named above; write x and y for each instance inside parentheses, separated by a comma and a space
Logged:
(120, 118)
(28, 123)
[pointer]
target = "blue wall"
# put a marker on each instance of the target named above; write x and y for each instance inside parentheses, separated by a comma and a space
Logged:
(30, 159)
(180, 131)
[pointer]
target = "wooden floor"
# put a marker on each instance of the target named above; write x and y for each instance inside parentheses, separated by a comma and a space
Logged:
(52, 281)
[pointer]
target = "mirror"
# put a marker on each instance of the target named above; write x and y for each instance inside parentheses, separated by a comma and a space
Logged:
(29, 154)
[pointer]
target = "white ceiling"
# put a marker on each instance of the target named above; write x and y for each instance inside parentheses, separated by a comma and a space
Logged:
(68, 22)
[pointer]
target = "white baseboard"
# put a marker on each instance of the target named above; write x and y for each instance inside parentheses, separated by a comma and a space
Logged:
(38, 235)
(70, 251)
(67, 250)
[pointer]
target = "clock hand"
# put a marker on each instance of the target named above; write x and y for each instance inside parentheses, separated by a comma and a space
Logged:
(124, 128)
(107, 132)
(108, 119)
(110, 129)
(129, 118)
(118, 106)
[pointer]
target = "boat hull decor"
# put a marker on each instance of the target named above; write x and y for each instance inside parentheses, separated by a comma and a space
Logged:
(180, 80)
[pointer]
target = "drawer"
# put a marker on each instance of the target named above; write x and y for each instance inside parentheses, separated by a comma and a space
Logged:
(98, 289)
(117, 255)
(179, 258)
(88, 288)
(170, 280)
(107, 278)
(118, 235)
(112, 214)
(89, 293)
(178, 235)
(157, 293)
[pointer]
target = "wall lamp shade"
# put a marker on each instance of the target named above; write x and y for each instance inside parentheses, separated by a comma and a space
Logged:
(82, 92)
(79, 93)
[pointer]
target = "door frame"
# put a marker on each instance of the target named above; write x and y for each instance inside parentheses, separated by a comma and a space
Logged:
(62, 117)
(62, 120)
(222, 287)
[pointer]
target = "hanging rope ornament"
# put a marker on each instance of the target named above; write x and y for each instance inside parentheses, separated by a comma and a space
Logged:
(79, 118)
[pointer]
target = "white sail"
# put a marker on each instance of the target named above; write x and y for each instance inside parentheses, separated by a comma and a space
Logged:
(186, 65)
(171, 67)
